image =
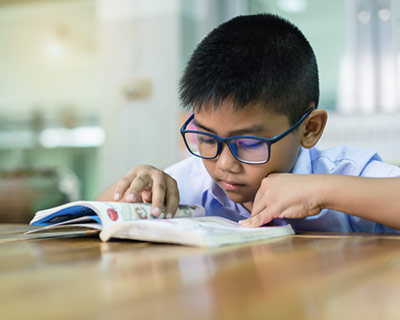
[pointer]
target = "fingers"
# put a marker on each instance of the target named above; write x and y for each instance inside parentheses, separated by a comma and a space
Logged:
(259, 212)
(258, 205)
(254, 221)
(146, 196)
(131, 184)
(123, 185)
(159, 190)
(148, 184)
(172, 199)
(257, 220)
(141, 182)
(165, 192)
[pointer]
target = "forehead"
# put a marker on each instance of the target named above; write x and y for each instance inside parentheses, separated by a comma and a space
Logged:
(226, 118)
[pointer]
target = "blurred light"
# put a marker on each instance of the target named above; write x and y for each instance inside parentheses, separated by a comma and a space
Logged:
(364, 16)
(292, 6)
(77, 137)
(389, 83)
(384, 14)
(366, 87)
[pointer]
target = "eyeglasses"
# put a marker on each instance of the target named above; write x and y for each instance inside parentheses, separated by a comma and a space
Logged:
(246, 149)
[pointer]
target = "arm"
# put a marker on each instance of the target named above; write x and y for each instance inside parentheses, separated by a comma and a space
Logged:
(108, 194)
(145, 184)
(299, 196)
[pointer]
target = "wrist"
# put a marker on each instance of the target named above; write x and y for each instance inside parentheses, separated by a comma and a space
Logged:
(329, 190)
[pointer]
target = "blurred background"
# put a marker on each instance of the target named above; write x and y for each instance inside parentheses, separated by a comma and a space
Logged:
(88, 88)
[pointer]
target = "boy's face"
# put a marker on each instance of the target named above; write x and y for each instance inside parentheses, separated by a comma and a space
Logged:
(240, 181)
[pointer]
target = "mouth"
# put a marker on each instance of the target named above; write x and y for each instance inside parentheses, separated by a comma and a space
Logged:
(230, 185)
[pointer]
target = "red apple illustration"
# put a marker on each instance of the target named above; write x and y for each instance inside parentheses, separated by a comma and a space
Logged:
(112, 214)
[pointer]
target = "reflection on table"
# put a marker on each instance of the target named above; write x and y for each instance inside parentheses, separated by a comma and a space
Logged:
(306, 276)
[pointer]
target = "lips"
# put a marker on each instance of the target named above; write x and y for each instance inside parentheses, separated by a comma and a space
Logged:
(230, 185)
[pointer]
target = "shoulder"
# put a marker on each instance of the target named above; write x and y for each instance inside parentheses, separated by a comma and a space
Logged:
(187, 167)
(355, 155)
(350, 161)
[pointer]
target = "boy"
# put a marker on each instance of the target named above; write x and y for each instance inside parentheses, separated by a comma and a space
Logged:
(252, 84)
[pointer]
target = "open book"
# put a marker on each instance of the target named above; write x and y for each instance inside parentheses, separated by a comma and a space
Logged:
(135, 221)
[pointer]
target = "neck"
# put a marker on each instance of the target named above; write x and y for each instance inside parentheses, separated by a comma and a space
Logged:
(248, 206)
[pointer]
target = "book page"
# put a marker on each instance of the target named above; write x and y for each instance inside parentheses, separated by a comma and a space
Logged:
(105, 213)
(198, 231)
(81, 222)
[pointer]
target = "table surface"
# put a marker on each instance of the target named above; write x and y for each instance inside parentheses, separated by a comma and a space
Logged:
(306, 276)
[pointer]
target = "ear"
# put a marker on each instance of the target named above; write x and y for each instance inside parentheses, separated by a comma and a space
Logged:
(314, 126)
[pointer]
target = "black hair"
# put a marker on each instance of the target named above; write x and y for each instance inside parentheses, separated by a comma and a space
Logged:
(252, 59)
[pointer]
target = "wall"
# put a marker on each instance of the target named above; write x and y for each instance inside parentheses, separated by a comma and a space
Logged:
(48, 57)
(140, 52)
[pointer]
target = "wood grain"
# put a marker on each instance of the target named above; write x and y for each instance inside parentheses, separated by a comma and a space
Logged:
(307, 276)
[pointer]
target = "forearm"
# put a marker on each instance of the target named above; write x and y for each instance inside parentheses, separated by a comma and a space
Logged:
(108, 194)
(375, 199)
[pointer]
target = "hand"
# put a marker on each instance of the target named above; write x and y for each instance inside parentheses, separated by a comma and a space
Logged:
(285, 196)
(148, 184)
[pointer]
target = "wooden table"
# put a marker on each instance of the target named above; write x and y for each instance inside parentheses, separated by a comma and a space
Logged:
(309, 276)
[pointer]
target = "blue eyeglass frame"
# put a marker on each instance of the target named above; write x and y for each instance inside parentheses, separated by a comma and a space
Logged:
(231, 146)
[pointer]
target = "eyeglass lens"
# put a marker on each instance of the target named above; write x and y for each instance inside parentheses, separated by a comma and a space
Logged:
(246, 149)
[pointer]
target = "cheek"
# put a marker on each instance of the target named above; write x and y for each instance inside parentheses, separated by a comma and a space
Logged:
(283, 157)
(256, 174)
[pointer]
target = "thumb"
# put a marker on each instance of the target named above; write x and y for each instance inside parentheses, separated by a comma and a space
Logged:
(146, 196)
(254, 221)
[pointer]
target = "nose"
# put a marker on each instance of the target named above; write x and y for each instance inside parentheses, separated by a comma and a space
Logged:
(226, 161)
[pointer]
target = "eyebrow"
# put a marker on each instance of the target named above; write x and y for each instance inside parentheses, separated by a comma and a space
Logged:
(244, 131)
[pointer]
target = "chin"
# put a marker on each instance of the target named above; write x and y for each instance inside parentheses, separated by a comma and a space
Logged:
(239, 198)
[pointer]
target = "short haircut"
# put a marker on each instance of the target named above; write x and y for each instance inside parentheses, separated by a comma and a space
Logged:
(260, 58)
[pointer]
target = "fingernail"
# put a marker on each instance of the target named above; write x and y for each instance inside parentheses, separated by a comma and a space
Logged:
(156, 212)
(169, 215)
(130, 197)
(242, 222)
(117, 196)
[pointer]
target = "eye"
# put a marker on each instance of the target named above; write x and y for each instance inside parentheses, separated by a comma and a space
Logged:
(250, 143)
(206, 140)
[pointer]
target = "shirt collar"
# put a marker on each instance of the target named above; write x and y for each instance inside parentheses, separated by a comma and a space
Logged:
(219, 194)
(303, 162)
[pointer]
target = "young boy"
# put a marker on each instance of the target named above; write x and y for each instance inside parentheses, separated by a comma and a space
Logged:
(252, 84)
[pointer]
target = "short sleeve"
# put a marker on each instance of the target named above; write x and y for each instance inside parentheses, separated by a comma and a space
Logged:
(380, 169)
